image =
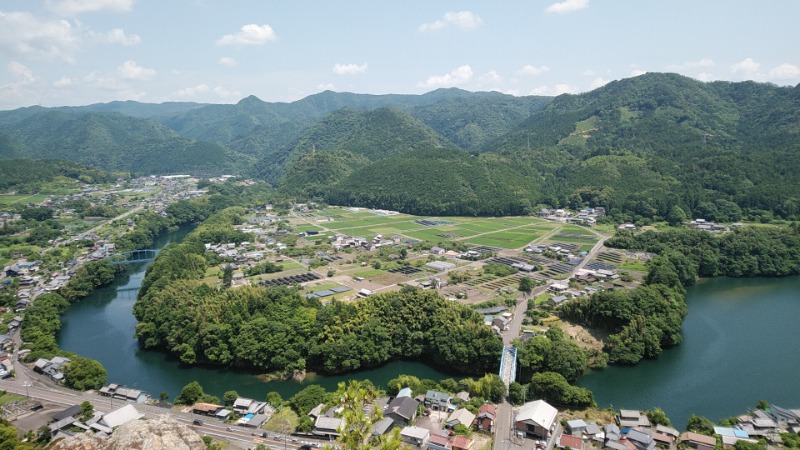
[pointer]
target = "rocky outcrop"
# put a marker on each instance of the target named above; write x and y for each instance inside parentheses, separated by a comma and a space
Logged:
(163, 433)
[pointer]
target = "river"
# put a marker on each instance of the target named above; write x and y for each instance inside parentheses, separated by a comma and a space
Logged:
(741, 343)
(101, 326)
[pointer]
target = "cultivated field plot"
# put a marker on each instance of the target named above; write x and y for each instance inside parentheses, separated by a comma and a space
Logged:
(21, 199)
(503, 239)
(405, 270)
(583, 239)
(596, 265)
(498, 232)
(506, 282)
(610, 257)
(294, 279)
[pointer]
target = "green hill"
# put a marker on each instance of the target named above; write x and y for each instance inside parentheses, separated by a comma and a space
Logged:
(114, 142)
(641, 147)
(371, 134)
(26, 175)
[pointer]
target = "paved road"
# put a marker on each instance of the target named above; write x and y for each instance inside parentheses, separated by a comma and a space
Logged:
(48, 393)
(503, 439)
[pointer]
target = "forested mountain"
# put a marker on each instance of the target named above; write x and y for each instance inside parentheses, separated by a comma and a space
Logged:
(113, 142)
(136, 109)
(10, 148)
(26, 175)
(641, 147)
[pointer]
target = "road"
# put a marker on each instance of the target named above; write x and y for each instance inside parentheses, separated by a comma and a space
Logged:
(504, 439)
(43, 390)
(94, 228)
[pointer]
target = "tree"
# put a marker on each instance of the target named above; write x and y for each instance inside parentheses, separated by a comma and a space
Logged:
(676, 216)
(516, 393)
(85, 373)
(190, 394)
(163, 396)
(376, 265)
(658, 417)
(525, 285)
(305, 400)
(700, 424)
(227, 275)
(87, 410)
(274, 399)
(229, 397)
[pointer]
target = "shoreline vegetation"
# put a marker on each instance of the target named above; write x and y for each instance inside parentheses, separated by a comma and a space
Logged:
(640, 322)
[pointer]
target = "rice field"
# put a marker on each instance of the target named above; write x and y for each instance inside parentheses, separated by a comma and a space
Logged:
(502, 232)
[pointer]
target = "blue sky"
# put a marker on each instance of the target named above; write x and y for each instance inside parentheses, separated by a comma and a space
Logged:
(76, 52)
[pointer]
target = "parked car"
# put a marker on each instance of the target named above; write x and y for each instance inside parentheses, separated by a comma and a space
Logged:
(198, 422)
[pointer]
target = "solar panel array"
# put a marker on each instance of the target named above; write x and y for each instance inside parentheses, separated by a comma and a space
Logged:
(294, 279)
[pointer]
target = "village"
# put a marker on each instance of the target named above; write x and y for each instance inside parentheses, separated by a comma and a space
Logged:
(337, 253)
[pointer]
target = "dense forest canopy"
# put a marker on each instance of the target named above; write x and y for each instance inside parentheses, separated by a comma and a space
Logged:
(641, 147)
(277, 329)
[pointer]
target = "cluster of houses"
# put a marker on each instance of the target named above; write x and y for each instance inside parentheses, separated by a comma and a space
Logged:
(252, 413)
(8, 218)
(340, 241)
(51, 367)
(586, 216)
(67, 422)
(704, 225)
(402, 412)
(6, 345)
(121, 392)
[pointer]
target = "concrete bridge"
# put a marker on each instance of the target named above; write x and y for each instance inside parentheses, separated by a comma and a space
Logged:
(132, 257)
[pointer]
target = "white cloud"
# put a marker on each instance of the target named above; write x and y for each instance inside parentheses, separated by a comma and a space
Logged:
(564, 88)
(21, 72)
(18, 90)
(455, 77)
(204, 92)
(784, 72)
(567, 6)
(250, 34)
(704, 62)
(72, 7)
(227, 61)
(704, 77)
(491, 77)
(462, 19)
(637, 72)
(132, 71)
(747, 66)
(532, 70)
(63, 82)
(349, 69)
(598, 82)
(24, 34)
(325, 87)
(116, 36)
(540, 90)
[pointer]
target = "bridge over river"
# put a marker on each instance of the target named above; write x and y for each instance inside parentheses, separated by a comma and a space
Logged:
(132, 257)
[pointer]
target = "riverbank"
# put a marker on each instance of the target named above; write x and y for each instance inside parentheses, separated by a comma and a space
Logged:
(738, 348)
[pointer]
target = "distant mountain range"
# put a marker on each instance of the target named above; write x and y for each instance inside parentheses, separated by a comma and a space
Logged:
(640, 146)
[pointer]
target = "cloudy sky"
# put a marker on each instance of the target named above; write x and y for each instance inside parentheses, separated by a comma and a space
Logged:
(75, 52)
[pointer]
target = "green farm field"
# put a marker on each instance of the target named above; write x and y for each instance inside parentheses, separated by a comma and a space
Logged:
(502, 232)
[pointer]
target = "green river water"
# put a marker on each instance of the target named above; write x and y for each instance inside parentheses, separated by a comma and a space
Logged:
(741, 344)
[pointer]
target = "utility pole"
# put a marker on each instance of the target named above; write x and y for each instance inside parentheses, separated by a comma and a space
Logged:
(27, 384)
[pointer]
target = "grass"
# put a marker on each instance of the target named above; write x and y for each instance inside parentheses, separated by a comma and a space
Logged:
(632, 264)
(18, 199)
(8, 398)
